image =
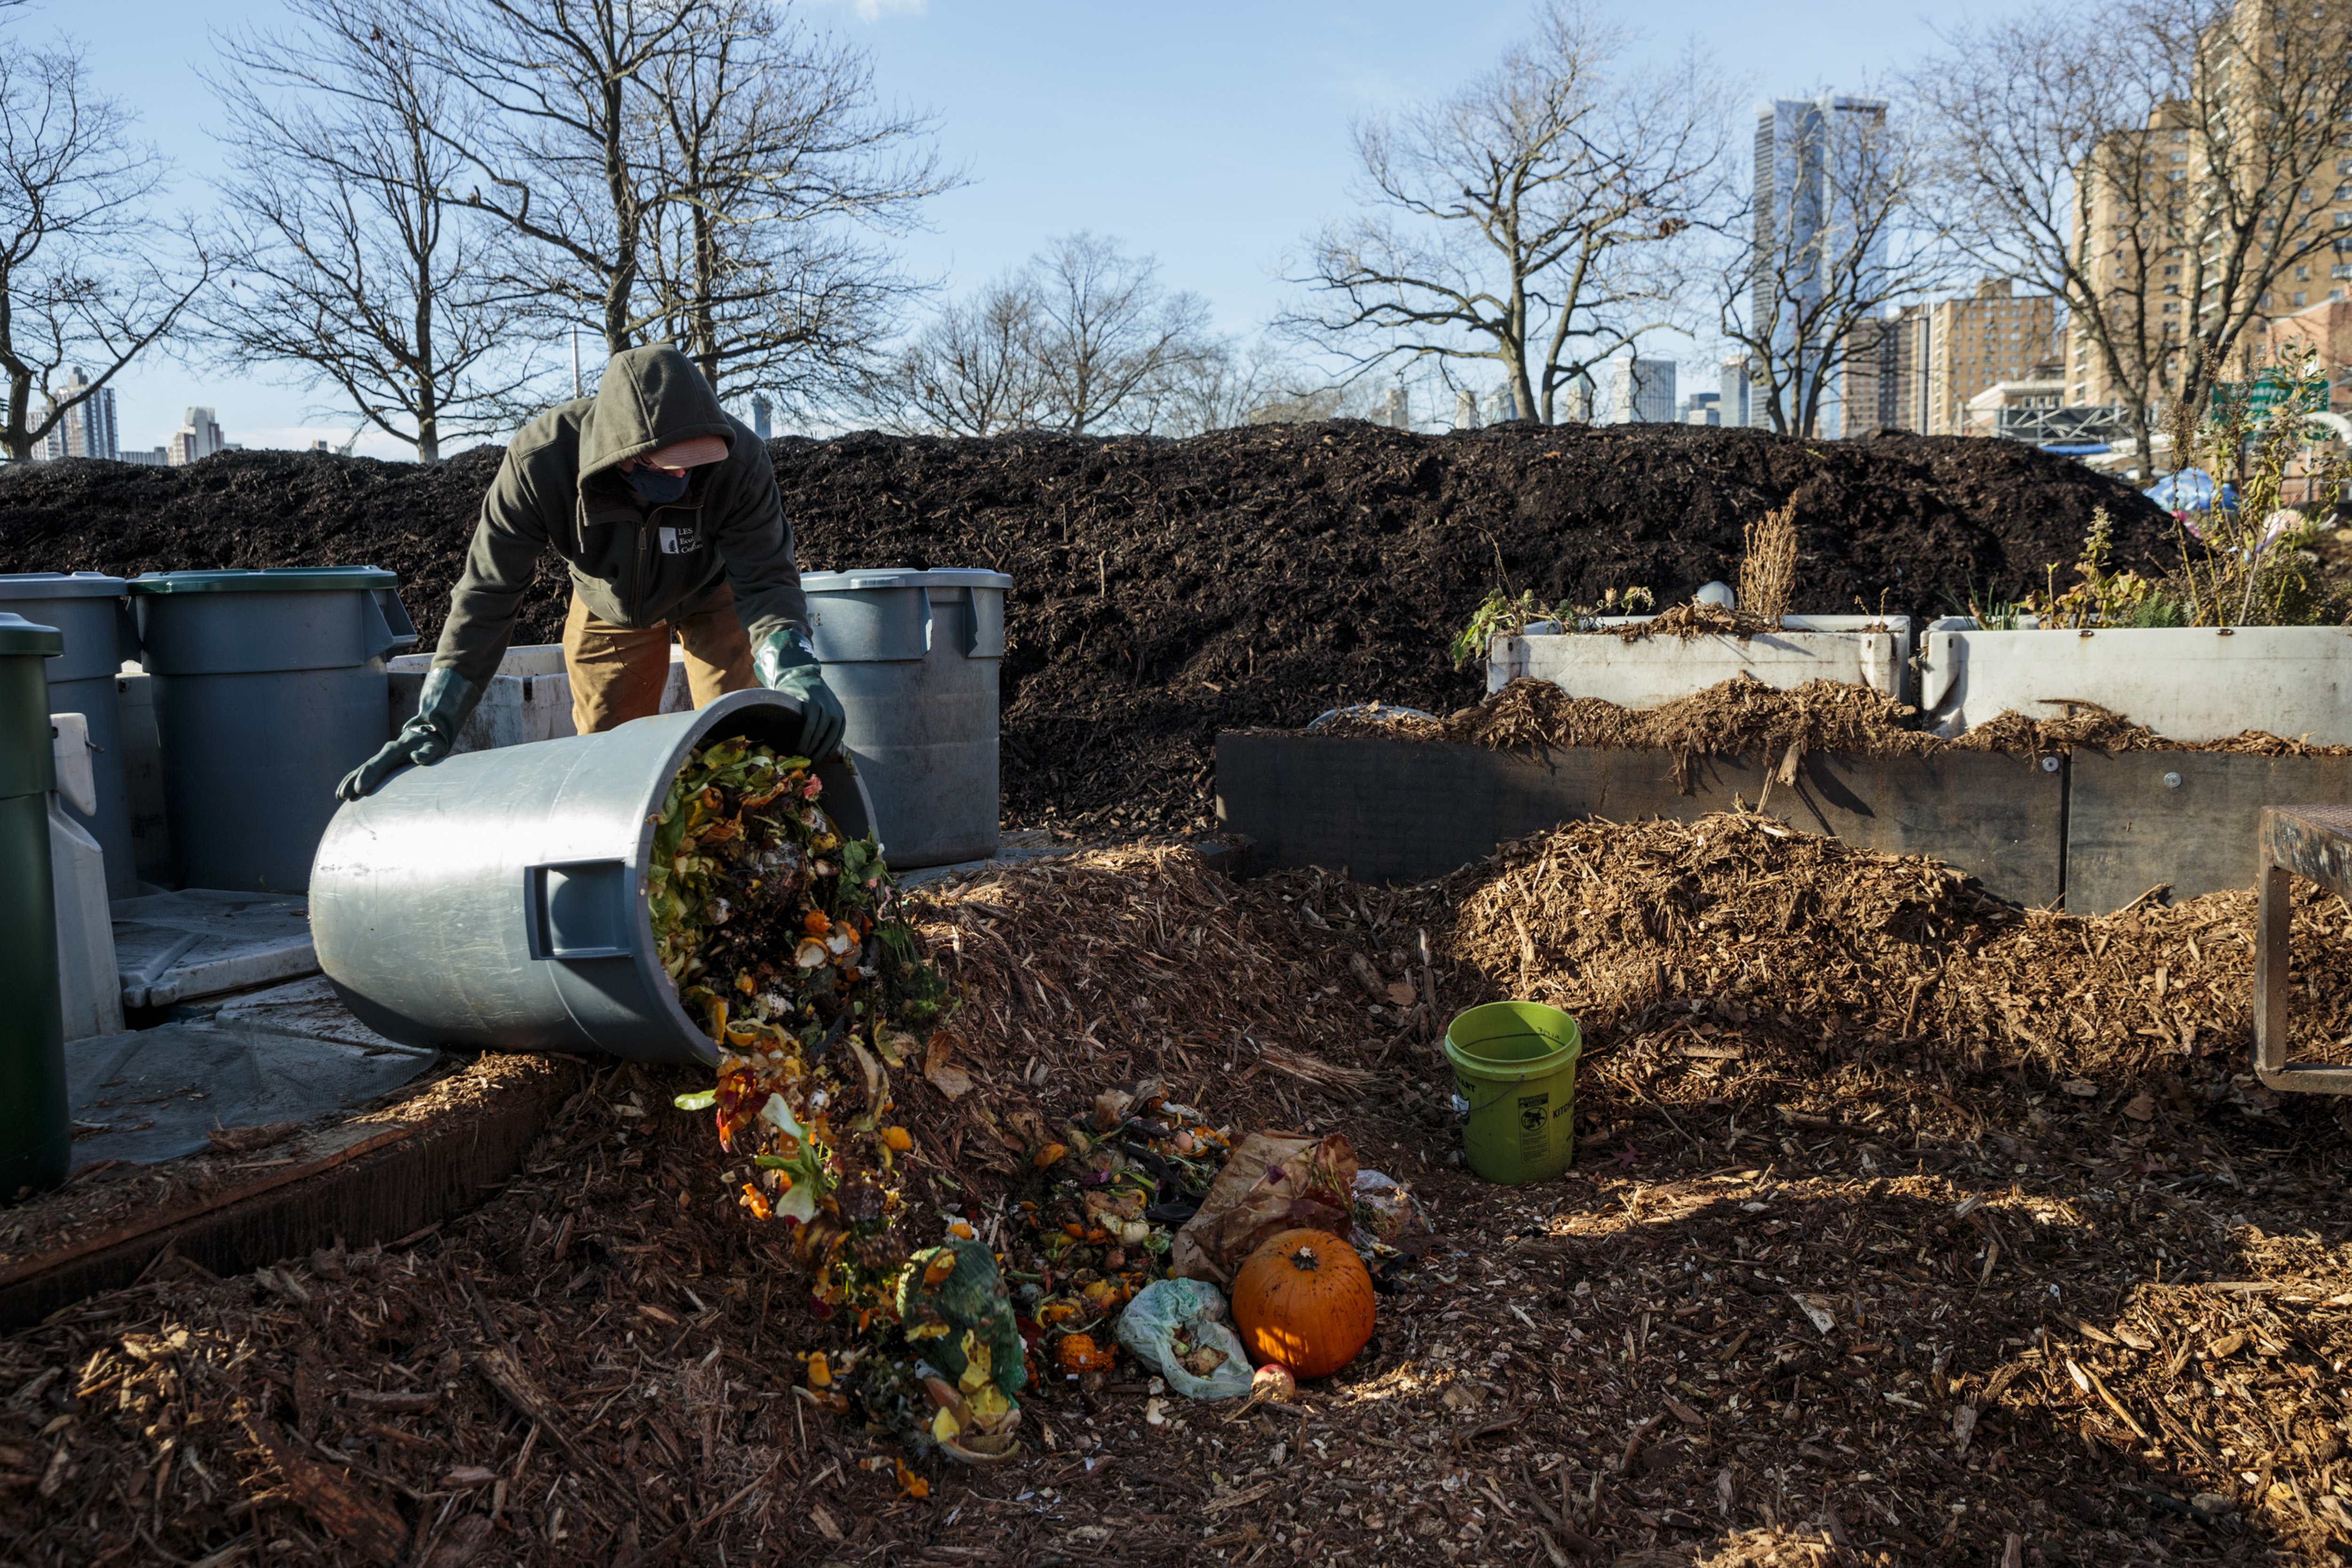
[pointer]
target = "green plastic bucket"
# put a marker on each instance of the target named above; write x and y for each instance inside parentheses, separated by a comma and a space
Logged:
(1515, 1088)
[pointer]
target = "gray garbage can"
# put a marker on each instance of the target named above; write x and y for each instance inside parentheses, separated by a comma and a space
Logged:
(914, 656)
(269, 687)
(497, 899)
(36, 1147)
(92, 612)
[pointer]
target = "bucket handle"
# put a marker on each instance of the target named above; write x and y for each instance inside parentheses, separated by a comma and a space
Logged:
(578, 909)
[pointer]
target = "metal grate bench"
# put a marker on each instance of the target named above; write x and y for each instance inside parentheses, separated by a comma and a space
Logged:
(2313, 842)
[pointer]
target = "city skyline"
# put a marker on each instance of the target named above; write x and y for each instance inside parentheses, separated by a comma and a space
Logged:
(1019, 105)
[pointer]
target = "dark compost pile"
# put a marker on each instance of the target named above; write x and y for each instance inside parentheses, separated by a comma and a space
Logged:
(1165, 590)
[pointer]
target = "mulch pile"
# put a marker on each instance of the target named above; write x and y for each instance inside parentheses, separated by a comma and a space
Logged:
(1906, 1227)
(1745, 717)
(1165, 590)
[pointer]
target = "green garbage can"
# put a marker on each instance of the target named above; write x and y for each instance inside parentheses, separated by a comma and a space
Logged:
(36, 1144)
(268, 688)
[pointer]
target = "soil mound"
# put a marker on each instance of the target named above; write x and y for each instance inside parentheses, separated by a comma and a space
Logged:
(1166, 590)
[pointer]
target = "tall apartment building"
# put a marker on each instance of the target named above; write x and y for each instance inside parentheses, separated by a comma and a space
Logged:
(1797, 142)
(1938, 357)
(199, 436)
(1735, 393)
(2170, 157)
(1638, 392)
(87, 429)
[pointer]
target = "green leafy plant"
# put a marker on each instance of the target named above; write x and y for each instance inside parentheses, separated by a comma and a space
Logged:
(1499, 614)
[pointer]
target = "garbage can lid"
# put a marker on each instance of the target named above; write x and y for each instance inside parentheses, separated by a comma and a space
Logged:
(267, 580)
(60, 586)
(21, 637)
(902, 577)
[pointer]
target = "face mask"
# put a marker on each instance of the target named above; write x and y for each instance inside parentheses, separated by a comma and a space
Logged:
(655, 488)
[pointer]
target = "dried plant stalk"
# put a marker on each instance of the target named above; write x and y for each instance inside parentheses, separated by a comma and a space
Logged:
(1767, 567)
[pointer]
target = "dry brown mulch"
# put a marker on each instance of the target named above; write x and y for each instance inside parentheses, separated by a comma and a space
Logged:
(1745, 717)
(1850, 1269)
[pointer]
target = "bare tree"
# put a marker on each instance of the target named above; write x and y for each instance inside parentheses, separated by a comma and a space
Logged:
(558, 154)
(1834, 232)
(1107, 339)
(782, 165)
(1225, 385)
(1527, 220)
(1081, 338)
(84, 277)
(970, 371)
(2161, 167)
(342, 255)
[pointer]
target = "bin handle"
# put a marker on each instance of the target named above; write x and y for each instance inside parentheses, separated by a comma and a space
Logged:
(602, 902)
(393, 628)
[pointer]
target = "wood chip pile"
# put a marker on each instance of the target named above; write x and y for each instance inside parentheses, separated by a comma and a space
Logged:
(1743, 717)
(1852, 1269)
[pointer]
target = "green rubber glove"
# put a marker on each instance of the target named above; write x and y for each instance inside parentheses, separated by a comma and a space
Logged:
(441, 711)
(786, 663)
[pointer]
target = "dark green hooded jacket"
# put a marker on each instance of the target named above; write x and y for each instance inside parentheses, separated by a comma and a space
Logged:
(636, 565)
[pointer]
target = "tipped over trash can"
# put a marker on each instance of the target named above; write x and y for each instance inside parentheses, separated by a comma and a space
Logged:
(497, 899)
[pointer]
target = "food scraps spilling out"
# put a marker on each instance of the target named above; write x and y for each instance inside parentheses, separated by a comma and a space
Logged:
(791, 947)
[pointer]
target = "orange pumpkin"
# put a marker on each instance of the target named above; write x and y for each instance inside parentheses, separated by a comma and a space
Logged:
(1304, 1300)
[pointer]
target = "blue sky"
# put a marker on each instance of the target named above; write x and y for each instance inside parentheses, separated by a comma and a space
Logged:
(1212, 133)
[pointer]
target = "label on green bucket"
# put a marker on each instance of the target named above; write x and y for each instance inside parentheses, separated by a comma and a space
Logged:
(1535, 1125)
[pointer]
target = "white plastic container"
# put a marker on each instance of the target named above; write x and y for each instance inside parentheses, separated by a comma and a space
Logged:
(529, 698)
(2192, 683)
(87, 984)
(1860, 650)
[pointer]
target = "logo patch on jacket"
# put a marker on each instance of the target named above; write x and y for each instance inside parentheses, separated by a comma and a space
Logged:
(682, 541)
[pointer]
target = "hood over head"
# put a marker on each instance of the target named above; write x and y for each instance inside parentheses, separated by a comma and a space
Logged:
(650, 399)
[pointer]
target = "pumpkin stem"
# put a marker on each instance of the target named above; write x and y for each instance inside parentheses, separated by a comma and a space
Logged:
(1304, 1261)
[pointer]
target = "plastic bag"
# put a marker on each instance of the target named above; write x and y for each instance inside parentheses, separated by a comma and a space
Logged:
(1167, 1312)
(1274, 1182)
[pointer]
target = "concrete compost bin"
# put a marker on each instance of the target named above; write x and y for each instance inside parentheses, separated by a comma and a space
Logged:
(35, 1148)
(269, 687)
(1859, 650)
(2187, 683)
(94, 615)
(528, 699)
(497, 899)
(914, 656)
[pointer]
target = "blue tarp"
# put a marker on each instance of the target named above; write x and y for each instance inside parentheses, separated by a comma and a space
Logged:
(2091, 449)
(2194, 490)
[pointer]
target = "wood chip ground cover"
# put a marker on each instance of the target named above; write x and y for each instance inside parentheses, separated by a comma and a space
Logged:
(1906, 1227)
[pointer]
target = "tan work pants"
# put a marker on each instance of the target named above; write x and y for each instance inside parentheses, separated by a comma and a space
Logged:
(618, 672)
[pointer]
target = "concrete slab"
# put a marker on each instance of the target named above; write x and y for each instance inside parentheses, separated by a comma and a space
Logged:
(176, 947)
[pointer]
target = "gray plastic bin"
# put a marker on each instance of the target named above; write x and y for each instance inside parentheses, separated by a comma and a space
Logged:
(93, 613)
(914, 656)
(269, 687)
(497, 899)
(36, 1147)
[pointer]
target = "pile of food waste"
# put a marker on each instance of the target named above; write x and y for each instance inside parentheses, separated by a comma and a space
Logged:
(789, 947)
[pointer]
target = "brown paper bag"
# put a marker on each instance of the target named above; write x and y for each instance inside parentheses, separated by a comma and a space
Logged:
(1274, 1182)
